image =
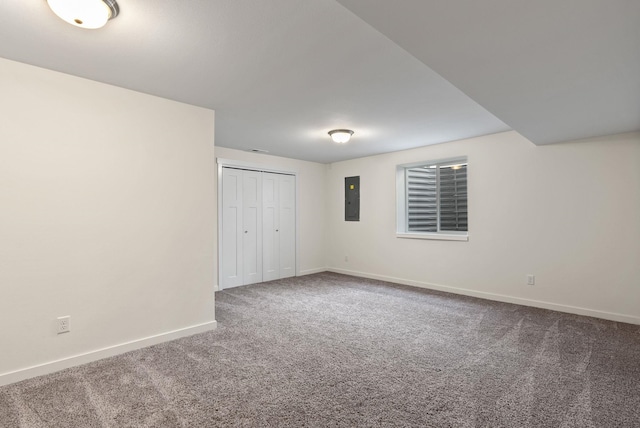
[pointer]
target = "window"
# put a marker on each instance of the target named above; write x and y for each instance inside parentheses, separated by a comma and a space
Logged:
(432, 199)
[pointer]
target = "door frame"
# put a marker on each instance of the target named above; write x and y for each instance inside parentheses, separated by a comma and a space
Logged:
(232, 163)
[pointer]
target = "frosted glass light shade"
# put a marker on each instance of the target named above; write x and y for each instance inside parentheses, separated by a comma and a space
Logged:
(341, 136)
(85, 13)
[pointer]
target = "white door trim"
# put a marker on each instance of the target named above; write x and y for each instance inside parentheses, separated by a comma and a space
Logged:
(230, 163)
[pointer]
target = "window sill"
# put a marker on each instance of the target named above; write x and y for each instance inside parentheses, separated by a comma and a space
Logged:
(435, 236)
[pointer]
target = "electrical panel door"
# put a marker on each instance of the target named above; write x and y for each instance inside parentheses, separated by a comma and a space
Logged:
(352, 198)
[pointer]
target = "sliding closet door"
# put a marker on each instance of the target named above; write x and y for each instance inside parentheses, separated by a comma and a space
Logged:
(270, 230)
(252, 224)
(231, 274)
(287, 225)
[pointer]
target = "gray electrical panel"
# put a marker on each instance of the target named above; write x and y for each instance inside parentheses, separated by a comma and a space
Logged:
(352, 198)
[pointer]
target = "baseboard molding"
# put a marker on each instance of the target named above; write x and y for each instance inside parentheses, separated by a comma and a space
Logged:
(312, 271)
(110, 351)
(612, 316)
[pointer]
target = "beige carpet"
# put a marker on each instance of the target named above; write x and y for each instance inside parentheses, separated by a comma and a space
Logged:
(332, 350)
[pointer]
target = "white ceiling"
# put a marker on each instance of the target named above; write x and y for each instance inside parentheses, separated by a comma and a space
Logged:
(553, 70)
(281, 73)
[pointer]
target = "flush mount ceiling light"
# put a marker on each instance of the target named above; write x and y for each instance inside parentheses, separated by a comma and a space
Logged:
(85, 13)
(341, 135)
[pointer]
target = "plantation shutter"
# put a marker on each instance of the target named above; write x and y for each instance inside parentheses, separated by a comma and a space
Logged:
(453, 198)
(422, 201)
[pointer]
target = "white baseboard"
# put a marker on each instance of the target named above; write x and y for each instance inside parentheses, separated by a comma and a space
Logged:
(110, 351)
(312, 271)
(612, 316)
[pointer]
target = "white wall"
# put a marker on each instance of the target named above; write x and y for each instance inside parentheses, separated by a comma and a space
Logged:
(312, 231)
(107, 214)
(567, 213)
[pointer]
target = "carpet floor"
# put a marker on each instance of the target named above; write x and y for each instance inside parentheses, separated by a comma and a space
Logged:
(329, 350)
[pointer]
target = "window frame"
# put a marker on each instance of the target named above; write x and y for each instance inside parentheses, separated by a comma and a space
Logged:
(401, 202)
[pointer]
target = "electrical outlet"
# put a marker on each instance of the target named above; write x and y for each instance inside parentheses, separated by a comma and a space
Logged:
(531, 280)
(64, 324)
(346, 258)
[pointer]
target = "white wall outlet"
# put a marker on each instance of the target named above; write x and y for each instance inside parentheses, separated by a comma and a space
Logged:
(531, 280)
(64, 324)
(346, 258)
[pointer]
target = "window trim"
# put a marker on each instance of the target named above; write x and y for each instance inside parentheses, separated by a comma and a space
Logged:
(441, 236)
(401, 204)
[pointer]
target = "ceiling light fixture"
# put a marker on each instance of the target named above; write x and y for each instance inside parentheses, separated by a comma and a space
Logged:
(341, 136)
(85, 13)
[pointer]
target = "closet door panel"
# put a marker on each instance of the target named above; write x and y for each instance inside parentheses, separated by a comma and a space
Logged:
(231, 239)
(287, 225)
(252, 224)
(270, 232)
